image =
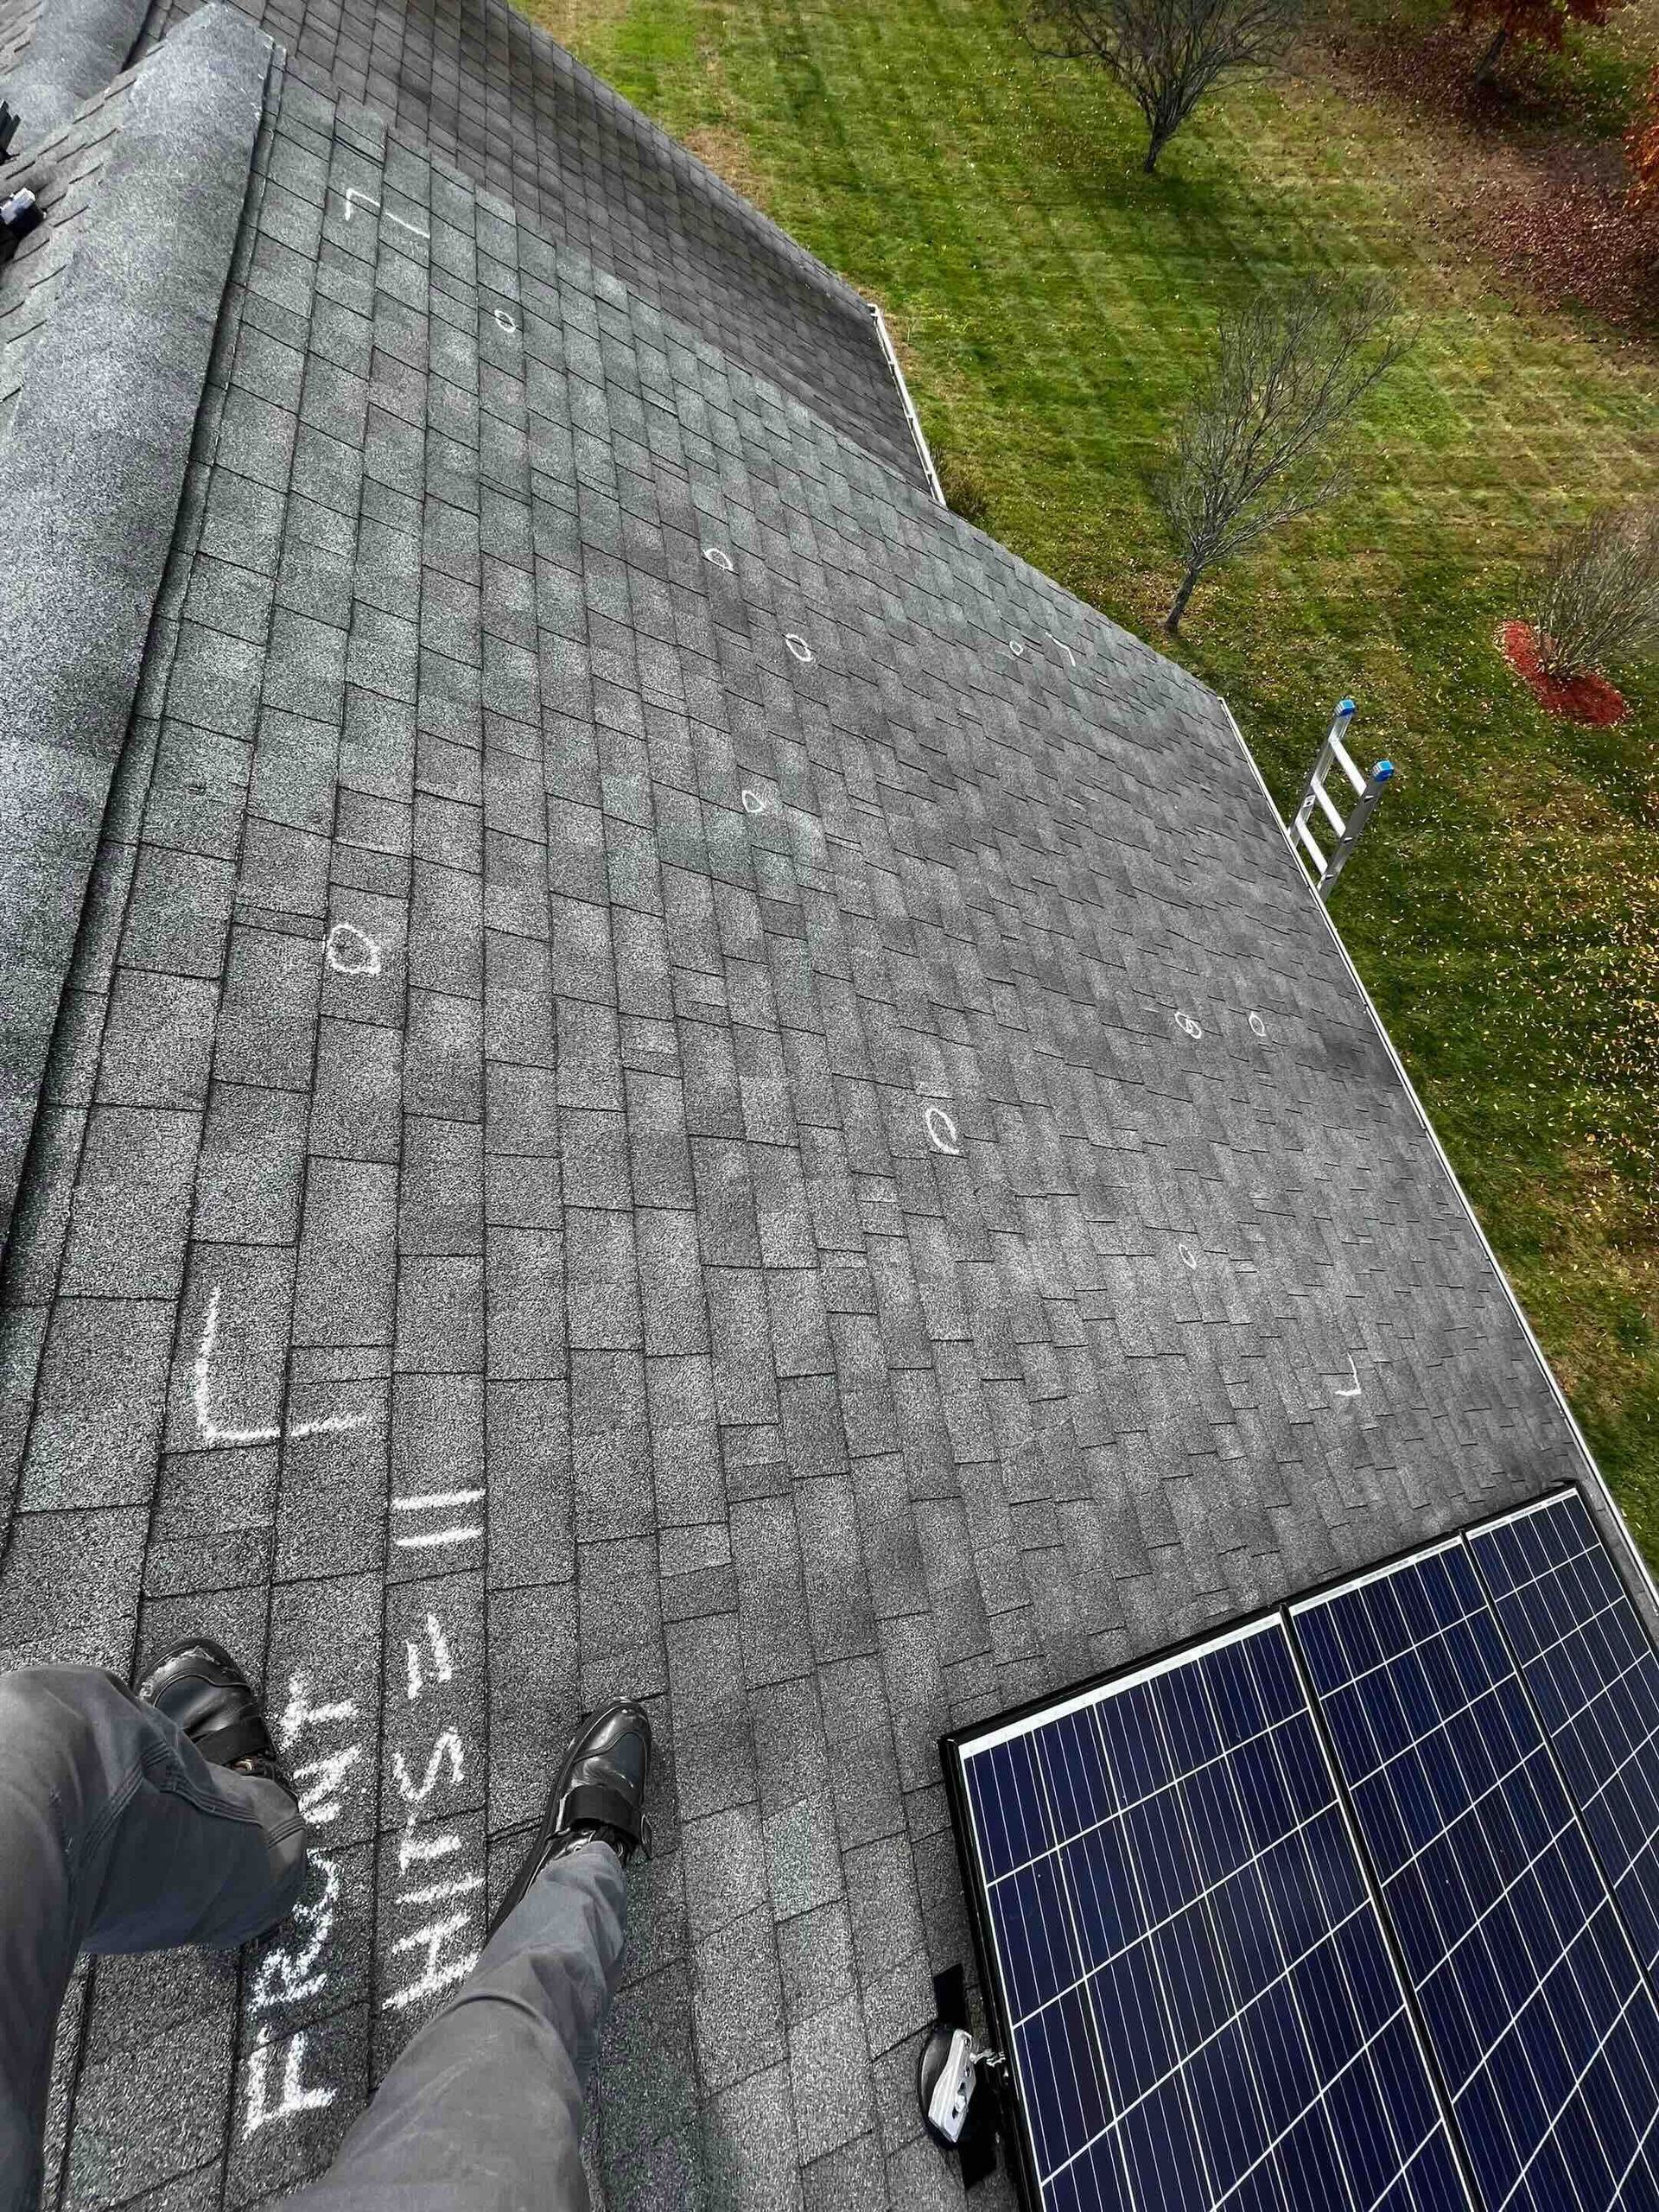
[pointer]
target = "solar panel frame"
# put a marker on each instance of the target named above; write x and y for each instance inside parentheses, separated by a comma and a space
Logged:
(1393, 2061)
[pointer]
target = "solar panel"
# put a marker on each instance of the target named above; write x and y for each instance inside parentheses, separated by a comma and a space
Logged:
(1533, 2001)
(1594, 1677)
(1198, 1999)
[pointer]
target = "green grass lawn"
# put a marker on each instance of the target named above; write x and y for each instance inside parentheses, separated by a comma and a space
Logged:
(1052, 303)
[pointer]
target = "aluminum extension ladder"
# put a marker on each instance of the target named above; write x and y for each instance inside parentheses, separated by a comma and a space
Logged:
(1367, 791)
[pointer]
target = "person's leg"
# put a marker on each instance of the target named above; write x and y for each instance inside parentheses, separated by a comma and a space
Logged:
(116, 1834)
(482, 2111)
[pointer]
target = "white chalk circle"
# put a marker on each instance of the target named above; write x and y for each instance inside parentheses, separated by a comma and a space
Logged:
(752, 802)
(1189, 1258)
(798, 646)
(351, 952)
(1186, 1021)
(942, 1132)
(1258, 1025)
(720, 557)
(505, 322)
(1017, 647)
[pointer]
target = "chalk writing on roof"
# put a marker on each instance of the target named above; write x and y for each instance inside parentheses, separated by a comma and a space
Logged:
(355, 199)
(942, 1133)
(352, 951)
(215, 1433)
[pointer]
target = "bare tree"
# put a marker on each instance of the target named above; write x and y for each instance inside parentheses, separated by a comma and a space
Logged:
(1595, 594)
(1167, 55)
(1261, 438)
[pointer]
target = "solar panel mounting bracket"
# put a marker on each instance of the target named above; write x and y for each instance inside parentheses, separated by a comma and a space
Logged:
(961, 2084)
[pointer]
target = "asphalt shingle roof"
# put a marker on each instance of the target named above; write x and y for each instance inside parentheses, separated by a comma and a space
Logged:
(678, 1078)
(480, 83)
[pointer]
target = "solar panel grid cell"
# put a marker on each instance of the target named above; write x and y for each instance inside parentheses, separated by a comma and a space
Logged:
(1204, 2010)
(1593, 1675)
(1530, 1994)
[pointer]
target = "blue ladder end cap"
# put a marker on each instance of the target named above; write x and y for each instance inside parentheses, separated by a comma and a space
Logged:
(1345, 705)
(1383, 771)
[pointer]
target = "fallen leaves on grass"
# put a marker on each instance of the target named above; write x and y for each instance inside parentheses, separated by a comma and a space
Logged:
(1563, 226)
(1552, 214)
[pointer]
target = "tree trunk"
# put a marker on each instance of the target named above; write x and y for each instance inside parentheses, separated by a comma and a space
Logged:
(1488, 62)
(1177, 605)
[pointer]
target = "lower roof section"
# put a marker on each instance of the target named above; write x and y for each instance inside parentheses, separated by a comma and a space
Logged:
(677, 1066)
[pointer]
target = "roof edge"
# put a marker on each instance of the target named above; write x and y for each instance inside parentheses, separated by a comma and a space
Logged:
(1597, 1490)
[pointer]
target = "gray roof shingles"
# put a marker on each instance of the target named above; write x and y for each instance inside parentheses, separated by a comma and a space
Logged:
(630, 1121)
(477, 82)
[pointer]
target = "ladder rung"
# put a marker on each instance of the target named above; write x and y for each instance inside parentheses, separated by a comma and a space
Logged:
(1308, 839)
(1329, 811)
(1344, 761)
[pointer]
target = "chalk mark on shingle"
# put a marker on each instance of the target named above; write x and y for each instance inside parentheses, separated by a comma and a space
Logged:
(437, 1501)
(211, 1431)
(299, 1713)
(443, 1668)
(355, 199)
(437, 1974)
(942, 1132)
(290, 1972)
(343, 960)
(320, 1781)
(293, 2097)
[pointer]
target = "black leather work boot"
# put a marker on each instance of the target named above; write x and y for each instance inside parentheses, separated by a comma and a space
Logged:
(199, 1686)
(598, 1792)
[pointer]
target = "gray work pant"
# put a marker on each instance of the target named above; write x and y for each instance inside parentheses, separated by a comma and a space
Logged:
(117, 1835)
